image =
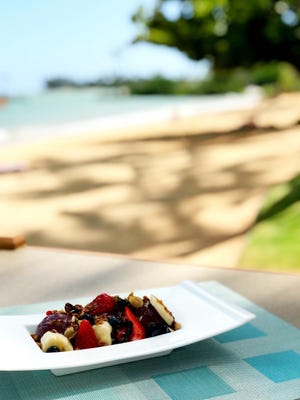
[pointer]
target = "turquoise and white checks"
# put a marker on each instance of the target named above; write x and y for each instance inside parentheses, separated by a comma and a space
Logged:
(258, 361)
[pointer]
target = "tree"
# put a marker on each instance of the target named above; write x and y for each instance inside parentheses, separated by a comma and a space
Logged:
(229, 33)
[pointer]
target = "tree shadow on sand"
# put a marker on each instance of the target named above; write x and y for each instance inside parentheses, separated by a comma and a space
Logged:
(169, 190)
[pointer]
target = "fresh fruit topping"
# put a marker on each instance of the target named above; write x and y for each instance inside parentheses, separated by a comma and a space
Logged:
(71, 331)
(121, 303)
(135, 301)
(156, 328)
(88, 317)
(58, 322)
(114, 321)
(54, 339)
(162, 310)
(104, 321)
(122, 334)
(86, 337)
(103, 333)
(103, 303)
(147, 314)
(53, 349)
(138, 331)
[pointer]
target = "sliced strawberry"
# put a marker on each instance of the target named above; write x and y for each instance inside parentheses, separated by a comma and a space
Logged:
(138, 331)
(85, 338)
(103, 303)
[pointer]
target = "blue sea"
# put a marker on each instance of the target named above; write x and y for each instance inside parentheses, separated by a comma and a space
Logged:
(79, 111)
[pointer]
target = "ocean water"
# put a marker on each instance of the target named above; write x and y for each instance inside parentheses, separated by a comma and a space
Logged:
(78, 111)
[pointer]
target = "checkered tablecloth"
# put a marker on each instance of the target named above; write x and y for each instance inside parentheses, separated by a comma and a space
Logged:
(258, 361)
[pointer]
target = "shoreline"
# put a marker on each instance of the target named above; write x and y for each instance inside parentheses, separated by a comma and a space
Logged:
(251, 98)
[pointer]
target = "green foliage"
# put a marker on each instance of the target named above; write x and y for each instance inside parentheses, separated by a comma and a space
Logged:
(276, 77)
(230, 33)
(280, 198)
(60, 82)
(264, 74)
(274, 240)
(222, 81)
(219, 82)
(155, 85)
(289, 79)
(282, 73)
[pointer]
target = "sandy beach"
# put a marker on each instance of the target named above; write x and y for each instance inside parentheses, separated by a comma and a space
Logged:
(185, 190)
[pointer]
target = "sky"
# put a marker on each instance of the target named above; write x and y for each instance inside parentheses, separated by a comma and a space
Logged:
(81, 40)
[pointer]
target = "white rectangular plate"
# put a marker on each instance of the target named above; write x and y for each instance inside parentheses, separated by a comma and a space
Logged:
(201, 315)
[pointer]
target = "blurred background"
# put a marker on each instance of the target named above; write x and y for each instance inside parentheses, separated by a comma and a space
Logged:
(159, 129)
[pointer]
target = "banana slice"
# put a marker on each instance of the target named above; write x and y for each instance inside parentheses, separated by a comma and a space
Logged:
(103, 333)
(135, 301)
(162, 310)
(58, 340)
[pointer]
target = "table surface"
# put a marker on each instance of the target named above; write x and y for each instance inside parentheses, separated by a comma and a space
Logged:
(32, 275)
(259, 360)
